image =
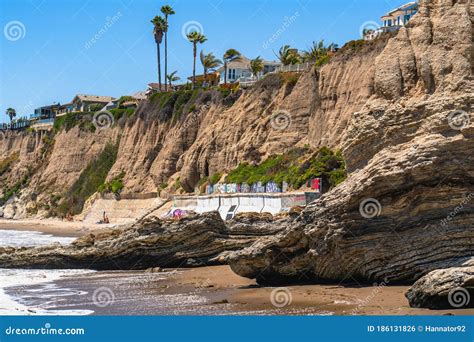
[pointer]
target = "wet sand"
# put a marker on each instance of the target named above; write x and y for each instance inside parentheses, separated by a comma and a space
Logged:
(212, 290)
(54, 227)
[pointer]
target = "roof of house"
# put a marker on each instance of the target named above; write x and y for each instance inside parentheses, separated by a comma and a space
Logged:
(209, 76)
(141, 95)
(401, 8)
(155, 85)
(94, 98)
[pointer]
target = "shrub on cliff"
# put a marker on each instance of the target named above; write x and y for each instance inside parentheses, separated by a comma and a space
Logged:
(71, 120)
(295, 167)
(114, 186)
(89, 181)
(6, 163)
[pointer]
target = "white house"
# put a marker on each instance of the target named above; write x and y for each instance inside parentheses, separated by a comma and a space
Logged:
(240, 69)
(399, 16)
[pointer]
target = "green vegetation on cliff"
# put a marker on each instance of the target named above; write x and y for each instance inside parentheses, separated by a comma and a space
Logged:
(71, 120)
(295, 167)
(91, 178)
(114, 186)
(175, 103)
(5, 164)
(9, 191)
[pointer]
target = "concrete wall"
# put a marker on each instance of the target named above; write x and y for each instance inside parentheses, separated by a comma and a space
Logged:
(119, 212)
(230, 204)
(207, 203)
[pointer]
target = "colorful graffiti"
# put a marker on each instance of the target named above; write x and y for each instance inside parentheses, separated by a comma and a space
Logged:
(270, 187)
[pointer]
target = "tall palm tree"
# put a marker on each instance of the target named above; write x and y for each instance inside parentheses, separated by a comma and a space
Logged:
(167, 11)
(229, 56)
(256, 65)
(209, 62)
(11, 113)
(288, 56)
(172, 78)
(159, 27)
(195, 38)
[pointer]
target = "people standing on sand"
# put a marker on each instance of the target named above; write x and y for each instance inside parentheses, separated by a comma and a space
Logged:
(105, 219)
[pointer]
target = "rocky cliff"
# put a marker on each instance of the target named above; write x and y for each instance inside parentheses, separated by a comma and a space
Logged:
(170, 138)
(407, 206)
(192, 241)
(400, 110)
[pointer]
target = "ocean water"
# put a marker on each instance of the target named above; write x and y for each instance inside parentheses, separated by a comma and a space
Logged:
(21, 280)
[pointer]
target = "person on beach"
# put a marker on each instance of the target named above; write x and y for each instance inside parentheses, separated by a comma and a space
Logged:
(104, 220)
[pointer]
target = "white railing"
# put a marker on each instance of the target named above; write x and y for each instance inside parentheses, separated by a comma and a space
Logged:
(247, 81)
(294, 67)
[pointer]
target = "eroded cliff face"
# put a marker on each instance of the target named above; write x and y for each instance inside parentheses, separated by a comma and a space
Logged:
(407, 207)
(45, 164)
(211, 135)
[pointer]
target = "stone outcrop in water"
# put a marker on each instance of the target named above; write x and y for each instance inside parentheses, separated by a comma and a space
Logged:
(407, 207)
(451, 288)
(191, 241)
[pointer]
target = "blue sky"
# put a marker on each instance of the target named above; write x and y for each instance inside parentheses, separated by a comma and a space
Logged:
(50, 57)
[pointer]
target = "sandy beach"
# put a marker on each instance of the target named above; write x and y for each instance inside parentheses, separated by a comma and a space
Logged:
(54, 226)
(214, 290)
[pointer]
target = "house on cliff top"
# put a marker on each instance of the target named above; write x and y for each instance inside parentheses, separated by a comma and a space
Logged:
(393, 20)
(399, 16)
(239, 70)
(84, 103)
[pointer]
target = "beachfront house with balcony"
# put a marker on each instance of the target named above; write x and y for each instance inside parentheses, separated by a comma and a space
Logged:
(393, 20)
(43, 117)
(399, 16)
(65, 108)
(239, 70)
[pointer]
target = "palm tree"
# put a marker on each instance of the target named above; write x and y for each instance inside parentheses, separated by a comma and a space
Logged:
(160, 26)
(314, 52)
(195, 38)
(167, 11)
(229, 56)
(256, 65)
(172, 78)
(209, 62)
(288, 56)
(11, 113)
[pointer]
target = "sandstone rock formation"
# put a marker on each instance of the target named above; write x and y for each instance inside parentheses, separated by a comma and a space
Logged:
(191, 241)
(451, 288)
(407, 207)
(400, 110)
(216, 135)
